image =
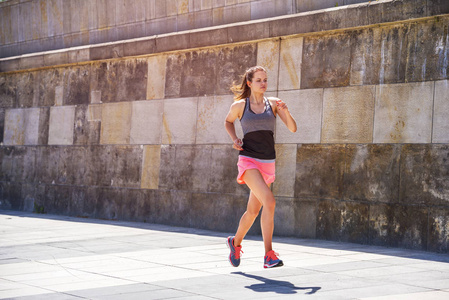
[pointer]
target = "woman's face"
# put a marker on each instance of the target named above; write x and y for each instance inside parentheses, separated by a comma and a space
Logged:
(259, 82)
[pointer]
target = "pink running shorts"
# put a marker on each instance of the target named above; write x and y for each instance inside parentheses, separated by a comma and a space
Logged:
(267, 169)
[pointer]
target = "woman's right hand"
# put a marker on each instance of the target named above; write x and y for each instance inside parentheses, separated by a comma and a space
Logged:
(238, 143)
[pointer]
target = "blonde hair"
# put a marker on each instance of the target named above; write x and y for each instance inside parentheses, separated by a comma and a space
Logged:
(242, 90)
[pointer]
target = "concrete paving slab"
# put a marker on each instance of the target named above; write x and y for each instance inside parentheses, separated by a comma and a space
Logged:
(57, 257)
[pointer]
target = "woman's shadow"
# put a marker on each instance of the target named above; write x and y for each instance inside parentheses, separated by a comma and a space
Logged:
(277, 286)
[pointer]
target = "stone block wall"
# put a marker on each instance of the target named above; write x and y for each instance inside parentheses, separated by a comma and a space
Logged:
(142, 138)
(29, 26)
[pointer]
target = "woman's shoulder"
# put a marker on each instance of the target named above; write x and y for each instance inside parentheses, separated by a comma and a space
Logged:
(239, 103)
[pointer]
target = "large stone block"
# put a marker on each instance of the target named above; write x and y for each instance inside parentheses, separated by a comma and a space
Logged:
(170, 207)
(223, 171)
(268, 57)
(176, 129)
(306, 106)
(122, 80)
(27, 89)
(246, 32)
(48, 81)
(151, 164)
(57, 199)
(440, 130)
(76, 85)
(365, 56)
(319, 171)
(343, 221)
(11, 196)
(212, 112)
(139, 47)
(44, 121)
(61, 125)
(109, 205)
(47, 160)
(146, 122)
(285, 170)
(21, 126)
(438, 230)
(399, 226)
(87, 127)
(8, 90)
(123, 166)
(156, 77)
(372, 172)
(207, 72)
(403, 113)
(116, 123)
(290, 64)
(326, 60)
(348, 115)
(424, 170)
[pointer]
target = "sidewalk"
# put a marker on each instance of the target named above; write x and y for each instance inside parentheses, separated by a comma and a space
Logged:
(56, 257)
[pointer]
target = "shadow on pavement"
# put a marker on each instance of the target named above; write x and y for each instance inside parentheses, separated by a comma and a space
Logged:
(277, 286)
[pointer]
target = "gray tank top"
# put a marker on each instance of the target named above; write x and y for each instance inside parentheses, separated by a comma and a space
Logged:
(258, 130)
(253, 122)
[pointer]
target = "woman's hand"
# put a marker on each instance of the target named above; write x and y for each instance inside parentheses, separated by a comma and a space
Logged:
(238, 144)
(281, 105)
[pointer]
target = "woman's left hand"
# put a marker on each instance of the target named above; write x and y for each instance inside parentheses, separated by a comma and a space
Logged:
(281, 105)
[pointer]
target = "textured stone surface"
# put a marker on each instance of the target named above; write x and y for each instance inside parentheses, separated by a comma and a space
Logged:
(87, 129)
(319, 171)
(285, 170)
(156, 77)
(176, 129)
(348, 115)
(212, 112)
(403, 113)
(399, 226)
(21, 126)
(372, 172)
(327, 61)
(61, 125)
(440, 130)
(268, 57)
(77, 85)
(290, 64)
(146, 122)
(116, 123)
(48, 81)
(424, 171)
(151, 164)
(438, 230)
(306, 106)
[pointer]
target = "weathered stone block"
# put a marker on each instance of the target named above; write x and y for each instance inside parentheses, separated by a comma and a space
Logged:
(44, 120)
(48, 81)
(343, 221)
(319, 171)
(208, 128)
(47, 159)
(61, 125)
(268, 57)
(109, 204)
(208, 37)
(306, 106)
(21, 126)
(290, 64)
(27, 89)
(223, 171)
(57, 199)
(2, 124)
(305, 218)
(179, 130)
(327, 61)
(424, 170)
(146, 122)
(237, 13)
(8, 90)
(399, 226)
(440, 130)
(438, 230)
(123, 166)
(123, 80)
(76, 85)
(170, 207)
(28, 196)
(11, 196)
(156, 77)
(87, 131)
(246, 32)
(55, 58)
(348, 115)
(372, 172)
(159, 26)
(151, 167)
(31, 62)
(403, 113)
(285, 170)
(437, 7)
(139, 47)
(116, 123)
(366, 57)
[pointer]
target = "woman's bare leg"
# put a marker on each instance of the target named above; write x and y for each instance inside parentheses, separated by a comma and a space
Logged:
(262, 193)
(246, 221)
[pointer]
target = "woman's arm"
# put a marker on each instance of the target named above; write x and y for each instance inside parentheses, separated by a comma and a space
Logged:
(281, 109)
(233, 114)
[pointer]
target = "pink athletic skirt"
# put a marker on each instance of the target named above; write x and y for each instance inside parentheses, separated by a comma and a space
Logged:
(267, 169)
